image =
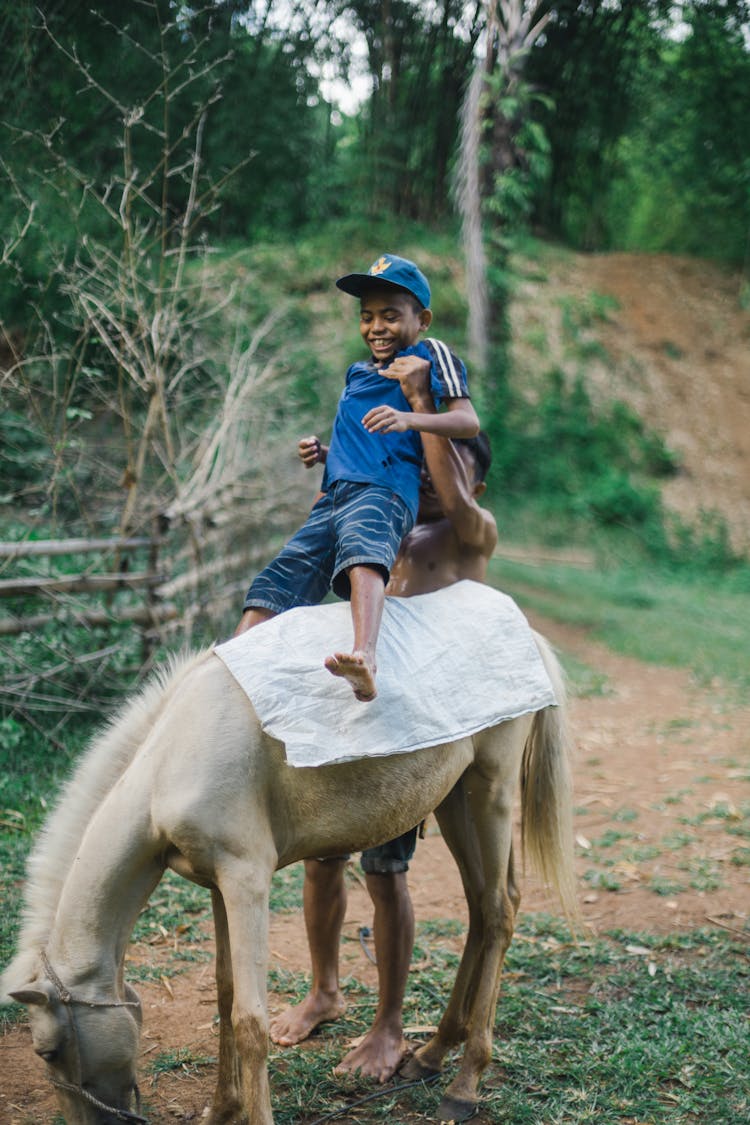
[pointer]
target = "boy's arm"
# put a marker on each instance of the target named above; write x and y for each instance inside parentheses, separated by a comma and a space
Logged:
(311, 451)
(459, 420)
(473, 525)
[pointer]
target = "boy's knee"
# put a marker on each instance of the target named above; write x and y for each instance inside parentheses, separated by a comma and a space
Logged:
(387, 888)
(325, 872)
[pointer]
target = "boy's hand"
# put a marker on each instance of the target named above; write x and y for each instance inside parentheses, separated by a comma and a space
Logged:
(413, 373)
(311, 452)
(386, 420)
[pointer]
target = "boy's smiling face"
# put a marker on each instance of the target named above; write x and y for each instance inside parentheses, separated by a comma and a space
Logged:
(389, 321)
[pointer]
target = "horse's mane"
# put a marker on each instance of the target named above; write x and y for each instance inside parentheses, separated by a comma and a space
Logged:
(106, 759)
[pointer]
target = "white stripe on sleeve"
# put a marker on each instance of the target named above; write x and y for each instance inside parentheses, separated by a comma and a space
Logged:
(449, 367)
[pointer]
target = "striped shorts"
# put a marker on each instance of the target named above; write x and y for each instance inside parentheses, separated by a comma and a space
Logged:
(353, 524)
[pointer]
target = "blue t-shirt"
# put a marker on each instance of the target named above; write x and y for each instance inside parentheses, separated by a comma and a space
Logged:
(393, 461)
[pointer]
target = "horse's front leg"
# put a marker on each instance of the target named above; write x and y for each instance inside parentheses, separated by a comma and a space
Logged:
(244, 891)
(227, 1103)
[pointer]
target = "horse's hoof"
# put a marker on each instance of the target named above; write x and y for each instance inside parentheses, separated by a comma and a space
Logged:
(456, 1109)
(413, 1070)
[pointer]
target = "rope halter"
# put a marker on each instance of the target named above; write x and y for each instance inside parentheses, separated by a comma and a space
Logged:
(68, 1000)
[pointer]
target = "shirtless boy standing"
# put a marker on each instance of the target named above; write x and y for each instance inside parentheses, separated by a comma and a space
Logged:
(452, 539)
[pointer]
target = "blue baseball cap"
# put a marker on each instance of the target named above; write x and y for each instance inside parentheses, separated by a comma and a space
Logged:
(389, 270)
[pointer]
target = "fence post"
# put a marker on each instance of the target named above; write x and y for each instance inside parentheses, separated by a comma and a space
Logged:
(159, 529)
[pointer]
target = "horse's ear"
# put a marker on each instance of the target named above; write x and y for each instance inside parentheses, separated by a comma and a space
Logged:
(29, 995)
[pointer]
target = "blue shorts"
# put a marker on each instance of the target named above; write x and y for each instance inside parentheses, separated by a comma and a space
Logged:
(351, 525)
(391, 858)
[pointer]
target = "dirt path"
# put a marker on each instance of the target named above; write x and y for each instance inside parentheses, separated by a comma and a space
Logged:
(661, 776)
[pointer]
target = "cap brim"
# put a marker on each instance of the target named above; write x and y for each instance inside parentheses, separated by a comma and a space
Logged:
(356, 283)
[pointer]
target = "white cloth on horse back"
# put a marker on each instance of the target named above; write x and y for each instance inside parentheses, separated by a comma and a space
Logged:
(449, 664)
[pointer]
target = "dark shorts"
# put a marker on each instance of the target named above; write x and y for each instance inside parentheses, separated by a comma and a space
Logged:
(391, 858)
(353, 524)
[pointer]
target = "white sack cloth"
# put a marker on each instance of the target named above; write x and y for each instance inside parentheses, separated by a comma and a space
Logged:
(449, 664)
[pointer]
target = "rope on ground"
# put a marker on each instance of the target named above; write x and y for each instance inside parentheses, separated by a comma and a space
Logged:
(371, 1097)
(364, 933)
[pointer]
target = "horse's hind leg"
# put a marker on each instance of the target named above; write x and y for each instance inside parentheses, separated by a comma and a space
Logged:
(227, 1102)
(476, 821)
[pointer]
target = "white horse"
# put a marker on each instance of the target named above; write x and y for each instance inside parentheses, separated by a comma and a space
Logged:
(185, 778)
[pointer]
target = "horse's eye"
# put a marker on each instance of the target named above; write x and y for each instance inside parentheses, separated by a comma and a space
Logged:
(50, 1055)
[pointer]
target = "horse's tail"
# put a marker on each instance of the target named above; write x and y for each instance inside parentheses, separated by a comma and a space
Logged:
(547, 791)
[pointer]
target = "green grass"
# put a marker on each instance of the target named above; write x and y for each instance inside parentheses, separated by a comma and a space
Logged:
(177, 908)
(698, 624)
(286, 888)
(622, 1029)
(166, 1062)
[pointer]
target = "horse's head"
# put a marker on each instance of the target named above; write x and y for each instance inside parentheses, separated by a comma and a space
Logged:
(89, 1046)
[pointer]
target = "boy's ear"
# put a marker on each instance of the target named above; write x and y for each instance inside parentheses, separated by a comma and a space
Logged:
(425, 319)
(480, 487)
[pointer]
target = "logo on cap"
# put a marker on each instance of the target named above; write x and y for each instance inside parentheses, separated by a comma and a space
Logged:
(380, 266)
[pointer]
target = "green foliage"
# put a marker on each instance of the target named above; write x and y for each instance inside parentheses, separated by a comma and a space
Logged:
(632, 1035)
(517, 181)
(685, 169)
(574, 463)
(586, 64)
(33, 766)
(234, 65)
(277, 188)
(594, 464)
(61, 670)
(643, 121)
(286, 889)
(177, 907)
(650, 131)
(419, 58)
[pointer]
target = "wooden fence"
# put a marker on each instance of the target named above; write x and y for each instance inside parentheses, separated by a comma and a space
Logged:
(102, 581)
(183, 583)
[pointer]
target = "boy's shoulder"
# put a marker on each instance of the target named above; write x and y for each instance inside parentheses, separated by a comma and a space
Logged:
(448, 370)
(432, 345)
(437, 351)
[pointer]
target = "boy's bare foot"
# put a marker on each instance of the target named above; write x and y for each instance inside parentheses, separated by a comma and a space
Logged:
(296, 1023)
(377, 1056)
(357, 670)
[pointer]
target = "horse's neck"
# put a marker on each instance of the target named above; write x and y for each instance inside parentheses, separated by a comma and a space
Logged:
(115, 870)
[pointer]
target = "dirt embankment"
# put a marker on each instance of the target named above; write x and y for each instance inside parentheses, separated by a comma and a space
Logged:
(675, 345)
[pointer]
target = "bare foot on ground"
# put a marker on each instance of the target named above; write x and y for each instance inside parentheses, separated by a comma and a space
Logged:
(298, 1022)
(378, 1055)
(355, 668)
